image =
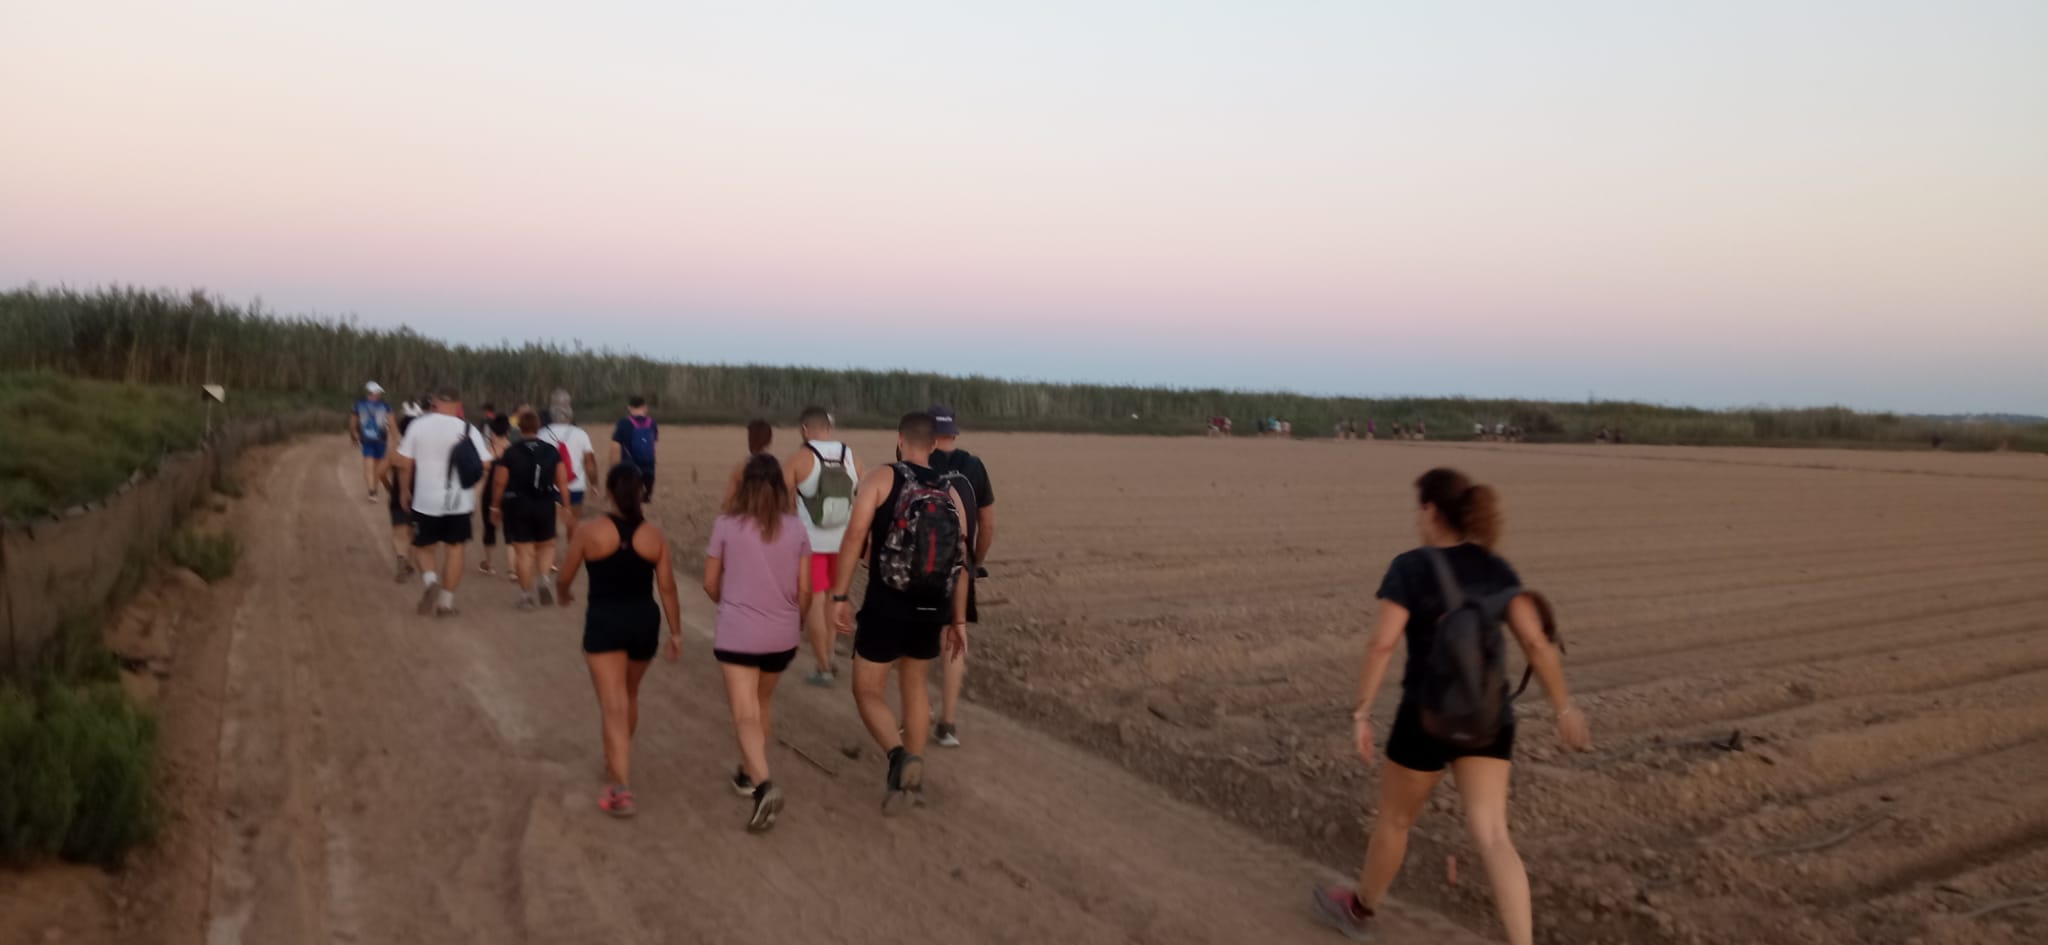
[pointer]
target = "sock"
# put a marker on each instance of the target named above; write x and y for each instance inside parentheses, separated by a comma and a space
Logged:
(430, 579)
(761, 789)
(447, 598)
(896, 754)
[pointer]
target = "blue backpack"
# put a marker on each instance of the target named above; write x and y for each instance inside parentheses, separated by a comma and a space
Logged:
(640, 445)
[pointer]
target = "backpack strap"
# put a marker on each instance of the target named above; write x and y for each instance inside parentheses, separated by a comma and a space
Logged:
(1446, 581)
(1549, 619)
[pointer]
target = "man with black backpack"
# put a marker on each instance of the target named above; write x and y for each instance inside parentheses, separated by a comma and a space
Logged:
(915, 529)
(440, 462)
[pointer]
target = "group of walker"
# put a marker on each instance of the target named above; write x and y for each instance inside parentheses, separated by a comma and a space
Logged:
(784, 553)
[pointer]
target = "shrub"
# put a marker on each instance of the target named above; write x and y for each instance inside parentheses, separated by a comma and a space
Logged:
(79, 780)
(211, 555)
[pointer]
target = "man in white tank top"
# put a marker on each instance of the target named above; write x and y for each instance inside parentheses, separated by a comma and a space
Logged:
(822, 476)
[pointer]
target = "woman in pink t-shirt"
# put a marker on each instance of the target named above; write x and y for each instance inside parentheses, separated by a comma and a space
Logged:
(755, 571)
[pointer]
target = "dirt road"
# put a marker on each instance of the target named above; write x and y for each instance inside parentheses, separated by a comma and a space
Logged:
(389, 778)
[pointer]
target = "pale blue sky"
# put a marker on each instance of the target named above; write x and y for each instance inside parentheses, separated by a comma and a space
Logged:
(1719, 204)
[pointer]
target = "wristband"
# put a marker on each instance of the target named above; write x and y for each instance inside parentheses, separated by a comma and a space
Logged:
(841, 598)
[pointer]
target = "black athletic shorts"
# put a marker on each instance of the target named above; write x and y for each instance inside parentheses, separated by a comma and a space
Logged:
(632, 626)
(439, 529)
(765, 662)
(886, 641)
(529, 520)
(400, 515)
(1412, 748)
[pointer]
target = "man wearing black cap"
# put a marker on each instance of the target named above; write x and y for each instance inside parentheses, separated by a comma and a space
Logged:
(965, 472)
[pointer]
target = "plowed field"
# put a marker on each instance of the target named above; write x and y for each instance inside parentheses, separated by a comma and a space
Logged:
(1873, 625)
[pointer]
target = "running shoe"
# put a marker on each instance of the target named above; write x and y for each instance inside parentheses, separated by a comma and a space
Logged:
(822, 679)
(1338, 907)
(741, 784)
(547, 594)
(767, 804)
(617, 801)
(428, 598)
(946, 735)
(446, 610)
(485, 568)
(405, 572)
(526, 603)
(906, 781)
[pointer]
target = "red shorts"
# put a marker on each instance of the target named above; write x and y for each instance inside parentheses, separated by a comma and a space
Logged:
(822, 567)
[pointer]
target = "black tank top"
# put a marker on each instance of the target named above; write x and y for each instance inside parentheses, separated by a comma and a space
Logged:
(622, 575)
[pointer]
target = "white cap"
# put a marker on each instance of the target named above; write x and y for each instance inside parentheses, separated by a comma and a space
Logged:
(374, 387)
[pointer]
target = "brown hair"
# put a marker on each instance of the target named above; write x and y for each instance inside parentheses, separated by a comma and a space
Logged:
(1471, 510)
(918, 429)
(624, 484)
(759, 435)
(763, 497)
(529, 423)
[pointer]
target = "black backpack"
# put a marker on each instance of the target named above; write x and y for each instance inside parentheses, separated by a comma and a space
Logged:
(1464, 695)
(465, 464)
(920, 554)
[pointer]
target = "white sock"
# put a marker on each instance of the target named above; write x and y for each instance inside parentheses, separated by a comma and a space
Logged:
(447, 598)
(431, 579)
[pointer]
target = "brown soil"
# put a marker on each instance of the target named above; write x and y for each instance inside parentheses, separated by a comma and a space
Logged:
(1870, 622)
(362, 774)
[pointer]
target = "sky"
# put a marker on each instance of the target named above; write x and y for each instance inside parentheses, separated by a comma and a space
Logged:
(1714, 204)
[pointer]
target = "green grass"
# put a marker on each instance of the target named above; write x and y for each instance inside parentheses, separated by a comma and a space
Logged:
(211, 555)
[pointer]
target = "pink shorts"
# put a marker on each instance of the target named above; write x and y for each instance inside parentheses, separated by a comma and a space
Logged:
(821, 572)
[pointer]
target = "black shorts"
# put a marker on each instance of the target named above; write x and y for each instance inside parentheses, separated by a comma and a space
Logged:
(400, 515)
(886, 641)
(634, 626)
(440, 529)
(646, 482)
(1412, 748)
(766, 662)
(529, 520)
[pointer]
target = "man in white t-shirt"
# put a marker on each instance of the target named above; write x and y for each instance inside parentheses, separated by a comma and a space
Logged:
(561, 432)
(441, 506)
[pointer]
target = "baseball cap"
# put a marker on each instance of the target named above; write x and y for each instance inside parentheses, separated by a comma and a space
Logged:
(944, 423)
(374, 387)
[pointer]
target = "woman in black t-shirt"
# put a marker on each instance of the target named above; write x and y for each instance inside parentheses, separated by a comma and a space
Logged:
(1462, 522)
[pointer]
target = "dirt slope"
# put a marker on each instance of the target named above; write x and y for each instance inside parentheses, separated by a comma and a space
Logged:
(394, 779)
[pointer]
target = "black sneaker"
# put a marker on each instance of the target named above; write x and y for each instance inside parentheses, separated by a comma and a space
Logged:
(767, 804)
(906, 779)
(741, 784)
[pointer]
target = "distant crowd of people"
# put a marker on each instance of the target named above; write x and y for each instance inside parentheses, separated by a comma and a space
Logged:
(781, 561)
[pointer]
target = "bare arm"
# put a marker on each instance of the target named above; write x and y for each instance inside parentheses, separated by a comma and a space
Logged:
(1527, 623)
(1386, 638)
(714, 577)
(804, 591)
(732, 485)
(592, 487)
(355, 426)
(873, 489)
(498, 481)
(985, 533)
(562, 486)
(665, 584)
(572, 561)
(403, 465)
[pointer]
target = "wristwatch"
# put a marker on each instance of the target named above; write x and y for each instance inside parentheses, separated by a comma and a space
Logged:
(841, 598)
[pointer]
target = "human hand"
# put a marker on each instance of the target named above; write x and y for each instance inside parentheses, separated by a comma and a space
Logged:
(1361, 734)
(1574, 730)
(674, 650)
(497, 516)
(842, 616)
(953, 643)
(564, 594)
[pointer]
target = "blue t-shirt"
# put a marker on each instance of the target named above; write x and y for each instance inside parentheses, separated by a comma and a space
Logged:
(372, 415)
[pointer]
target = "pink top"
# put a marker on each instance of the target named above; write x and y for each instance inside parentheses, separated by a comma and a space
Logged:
(757, 605)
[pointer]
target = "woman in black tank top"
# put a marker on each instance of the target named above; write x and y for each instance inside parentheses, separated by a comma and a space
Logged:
(629, 561)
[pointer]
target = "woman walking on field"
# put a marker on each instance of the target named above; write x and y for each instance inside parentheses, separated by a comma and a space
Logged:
(1459, 524)
(757, 570)
(629, 560)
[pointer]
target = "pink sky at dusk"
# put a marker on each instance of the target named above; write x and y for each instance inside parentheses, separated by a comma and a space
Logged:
(1746, 203)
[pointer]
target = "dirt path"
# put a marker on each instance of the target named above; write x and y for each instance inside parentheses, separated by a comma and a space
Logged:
(389, 778)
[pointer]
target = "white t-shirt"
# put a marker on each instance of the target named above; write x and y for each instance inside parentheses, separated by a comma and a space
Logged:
(824, 541)
(428, 443)
(579, 445)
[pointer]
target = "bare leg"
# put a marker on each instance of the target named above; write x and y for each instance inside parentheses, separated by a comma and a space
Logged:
(743, 696)
(1483, 784)
(451, 578)
(608, 677)
(1402, 794)
(819, 629)
(870, 680)
(370, 474)
(636, 670)
(401, 540)
(767, 697)
(917, 703)
(524, 563)
(954, 674)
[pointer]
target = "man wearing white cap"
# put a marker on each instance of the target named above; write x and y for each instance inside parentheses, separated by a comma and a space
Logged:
(370, 425)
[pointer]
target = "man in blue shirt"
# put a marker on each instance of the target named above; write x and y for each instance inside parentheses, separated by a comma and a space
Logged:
(633, 441)
(369, 425)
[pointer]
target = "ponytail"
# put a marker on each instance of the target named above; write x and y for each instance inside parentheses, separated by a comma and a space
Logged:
(624, 483)
(1472, 511)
